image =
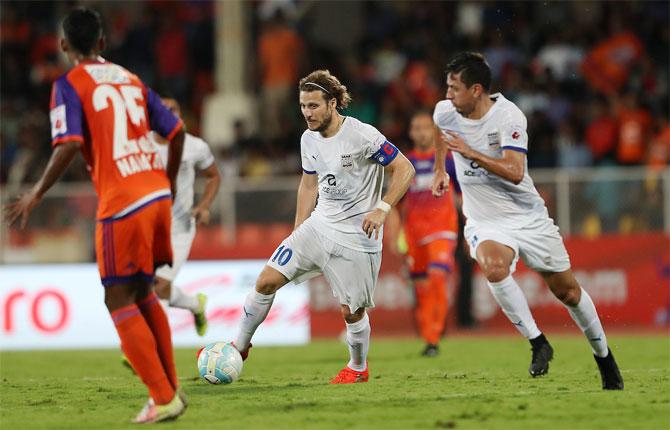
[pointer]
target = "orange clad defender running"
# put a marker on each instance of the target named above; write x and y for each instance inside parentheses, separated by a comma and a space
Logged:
(431, 231)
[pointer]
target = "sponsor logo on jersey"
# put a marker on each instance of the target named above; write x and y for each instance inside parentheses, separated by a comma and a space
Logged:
(58, 120)
(107, 73)
(332, 187)
(477, 170)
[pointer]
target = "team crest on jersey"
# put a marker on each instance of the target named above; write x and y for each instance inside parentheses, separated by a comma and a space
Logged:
(493, 138)
(347, 161)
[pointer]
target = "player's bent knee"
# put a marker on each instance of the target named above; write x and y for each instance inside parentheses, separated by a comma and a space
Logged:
(269, 281)
(352, 317)
(162, 287)
(118, 296)
(569, 295)
(495, 272)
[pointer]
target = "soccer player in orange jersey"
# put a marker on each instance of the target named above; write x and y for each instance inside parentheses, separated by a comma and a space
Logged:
(106, 112)
(431, 231)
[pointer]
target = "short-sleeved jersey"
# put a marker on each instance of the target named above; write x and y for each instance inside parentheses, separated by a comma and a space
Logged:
(486, 197)
(196, 156)
(110, 112)
(425, 217)
(350, 169)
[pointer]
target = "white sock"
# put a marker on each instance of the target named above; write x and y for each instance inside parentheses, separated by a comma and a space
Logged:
(514, 304)
(179, 299)
(586, 317)
(256, 308)
(358, 340)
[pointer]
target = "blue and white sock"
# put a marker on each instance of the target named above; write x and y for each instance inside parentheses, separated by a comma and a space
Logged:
(256, 308)
(586, 317)
(513, 303)
(358, 340)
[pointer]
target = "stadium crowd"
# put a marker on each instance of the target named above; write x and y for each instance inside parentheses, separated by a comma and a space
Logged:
(595, 93)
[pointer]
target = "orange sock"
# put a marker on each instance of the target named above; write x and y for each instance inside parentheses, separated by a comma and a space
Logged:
(437, 280)
(160, 327)
(422, 308)
(139, 346)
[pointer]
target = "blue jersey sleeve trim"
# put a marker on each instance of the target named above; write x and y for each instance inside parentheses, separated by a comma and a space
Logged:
(161, 119)
(451, 170)
(443, 266)
(309, 172)
(515, 148)
(386, 153)
(65, 94)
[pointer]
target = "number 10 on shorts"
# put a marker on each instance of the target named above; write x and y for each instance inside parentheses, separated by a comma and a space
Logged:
(283, 255)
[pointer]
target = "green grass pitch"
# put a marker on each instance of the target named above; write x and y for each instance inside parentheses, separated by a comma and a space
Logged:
(476, 383)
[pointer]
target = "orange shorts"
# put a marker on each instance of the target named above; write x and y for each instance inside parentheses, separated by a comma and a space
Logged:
(438, 254)
(131, 247)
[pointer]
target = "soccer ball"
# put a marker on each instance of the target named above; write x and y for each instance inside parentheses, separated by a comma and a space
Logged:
(220, 363)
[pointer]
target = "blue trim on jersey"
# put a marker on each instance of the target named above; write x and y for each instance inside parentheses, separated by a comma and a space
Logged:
(65, 94)
(386, 153)
(142, 206)
(309, 172)
(445, 267)
(418, 275)
(423, 170)
(161, 119)
(109, 281)
(515, 148)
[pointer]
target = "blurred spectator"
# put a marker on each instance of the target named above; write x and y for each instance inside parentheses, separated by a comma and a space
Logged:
(280, 60)
(607, 66)
(659, 149)
(172, 55)
(601, 133)
(560, 57)
(634, 130)
(572, 152)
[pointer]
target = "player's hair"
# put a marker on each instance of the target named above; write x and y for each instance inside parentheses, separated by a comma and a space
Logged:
(473, 69)
(329, 85)
(83, 29)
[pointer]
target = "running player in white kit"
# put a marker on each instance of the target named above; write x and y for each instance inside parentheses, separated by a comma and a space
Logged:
(343, 163)
(196, 158)
(506, 217)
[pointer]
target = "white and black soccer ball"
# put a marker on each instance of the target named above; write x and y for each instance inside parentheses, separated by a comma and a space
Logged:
(220, 363)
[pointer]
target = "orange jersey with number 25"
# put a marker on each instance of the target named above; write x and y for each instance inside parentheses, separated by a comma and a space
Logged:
(111, 112)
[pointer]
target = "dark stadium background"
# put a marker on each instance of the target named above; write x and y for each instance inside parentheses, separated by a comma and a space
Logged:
(591, 77)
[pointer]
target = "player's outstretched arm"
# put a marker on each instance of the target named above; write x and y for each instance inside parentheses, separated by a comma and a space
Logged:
(511, 166)
(401, 172)
(61, 157)
(212, 184)
(440, 176)
(308, 191)
(174, 159)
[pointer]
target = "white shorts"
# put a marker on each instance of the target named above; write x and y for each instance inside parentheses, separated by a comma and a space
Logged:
(540, 244)
(352, 274)
(181, 248)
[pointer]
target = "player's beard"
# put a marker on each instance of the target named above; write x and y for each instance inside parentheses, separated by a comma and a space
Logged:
(326, 121)
(466, 110)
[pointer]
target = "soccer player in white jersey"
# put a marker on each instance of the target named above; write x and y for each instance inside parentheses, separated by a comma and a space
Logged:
(197, 158)
(506, 217)
(343, 163)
